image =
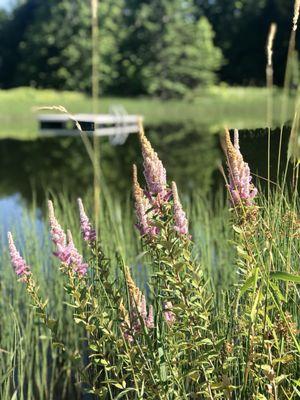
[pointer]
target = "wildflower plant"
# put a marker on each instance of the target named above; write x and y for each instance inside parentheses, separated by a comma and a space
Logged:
(170, 339)
(24, 273)
(181, 302)
(258, 304)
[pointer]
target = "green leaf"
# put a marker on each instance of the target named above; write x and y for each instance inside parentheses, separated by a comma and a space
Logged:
(248, 284)
(79, 321)
(285, 276)
(296, 382)
(260, 396)
(118, 385)
(206, 341)
(94, 347)
(237, 229)
(277, 292)
(280, 378)
(242, 252)
(254, 307)
(14, 396)
(124, 392)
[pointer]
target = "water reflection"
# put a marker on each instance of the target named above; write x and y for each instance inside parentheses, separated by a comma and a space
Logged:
(63, 164)
(10, 211)
(16, 217)
(190, 153)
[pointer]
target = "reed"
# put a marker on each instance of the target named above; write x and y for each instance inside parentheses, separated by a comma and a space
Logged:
(269, 79)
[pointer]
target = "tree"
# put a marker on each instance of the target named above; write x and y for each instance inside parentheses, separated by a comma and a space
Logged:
(13, 28)
(241, 28)
(167, 51)
(56, 47)
(185, 58)
(164, 47)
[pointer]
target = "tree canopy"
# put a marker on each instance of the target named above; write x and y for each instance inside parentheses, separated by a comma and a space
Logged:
(167, 50)
(159, 47)
(55, 50)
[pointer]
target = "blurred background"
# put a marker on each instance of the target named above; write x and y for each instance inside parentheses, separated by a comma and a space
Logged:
(190, 67)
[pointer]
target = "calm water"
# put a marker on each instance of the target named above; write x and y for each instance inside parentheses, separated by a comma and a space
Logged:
(190, 153)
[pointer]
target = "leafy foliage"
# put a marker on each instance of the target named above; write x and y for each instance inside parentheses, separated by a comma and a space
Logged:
(140, 39)
(167, 51)
(155, 48)
(55, 47)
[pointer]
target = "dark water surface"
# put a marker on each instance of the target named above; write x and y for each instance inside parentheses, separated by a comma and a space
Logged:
(191, 155)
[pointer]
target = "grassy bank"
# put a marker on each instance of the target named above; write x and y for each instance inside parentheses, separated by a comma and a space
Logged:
(214, 107)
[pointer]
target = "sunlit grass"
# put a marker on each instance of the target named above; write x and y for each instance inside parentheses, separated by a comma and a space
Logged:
(213, 107)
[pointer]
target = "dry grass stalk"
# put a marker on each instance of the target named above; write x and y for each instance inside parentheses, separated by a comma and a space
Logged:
(270, 41)
(95, 97)
(296, 14)
(83, 134)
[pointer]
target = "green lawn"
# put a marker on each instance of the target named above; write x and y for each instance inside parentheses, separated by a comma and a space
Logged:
(213, 108)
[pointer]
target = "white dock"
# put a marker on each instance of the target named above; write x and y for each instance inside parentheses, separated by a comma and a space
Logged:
(117, 125)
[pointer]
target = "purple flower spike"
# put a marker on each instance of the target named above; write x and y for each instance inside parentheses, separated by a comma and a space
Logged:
(88, 232)
(58, 236)
(154, 171)
(180, 220)
(143, 308)
(168, 313)
(70, 256)
(19, 264)
(75, 260)
(142, 207)
(132, 323)
(241, 189)
(150, 318)
(63, 254)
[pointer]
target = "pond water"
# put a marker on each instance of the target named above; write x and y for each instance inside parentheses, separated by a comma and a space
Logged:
(191, 155)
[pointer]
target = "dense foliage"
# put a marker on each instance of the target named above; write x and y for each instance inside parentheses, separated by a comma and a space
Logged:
(241, 29)
(167, 50)
(53, 47)
(162, 47)
(157, 47)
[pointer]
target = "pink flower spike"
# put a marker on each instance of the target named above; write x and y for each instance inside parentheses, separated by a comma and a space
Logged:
(242, 191)
(150, 319)
(19, 264)
(143, 308)
(74, 259)
(142, 207)
(180, 220)
(63, 253)
(134, 320)
(154, 171)
(88, 232)
(168, 313)
(58, 235)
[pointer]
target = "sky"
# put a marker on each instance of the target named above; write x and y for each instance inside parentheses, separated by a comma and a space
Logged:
(6, 4)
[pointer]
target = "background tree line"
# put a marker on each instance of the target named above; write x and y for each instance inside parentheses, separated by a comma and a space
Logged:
(156, 47)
